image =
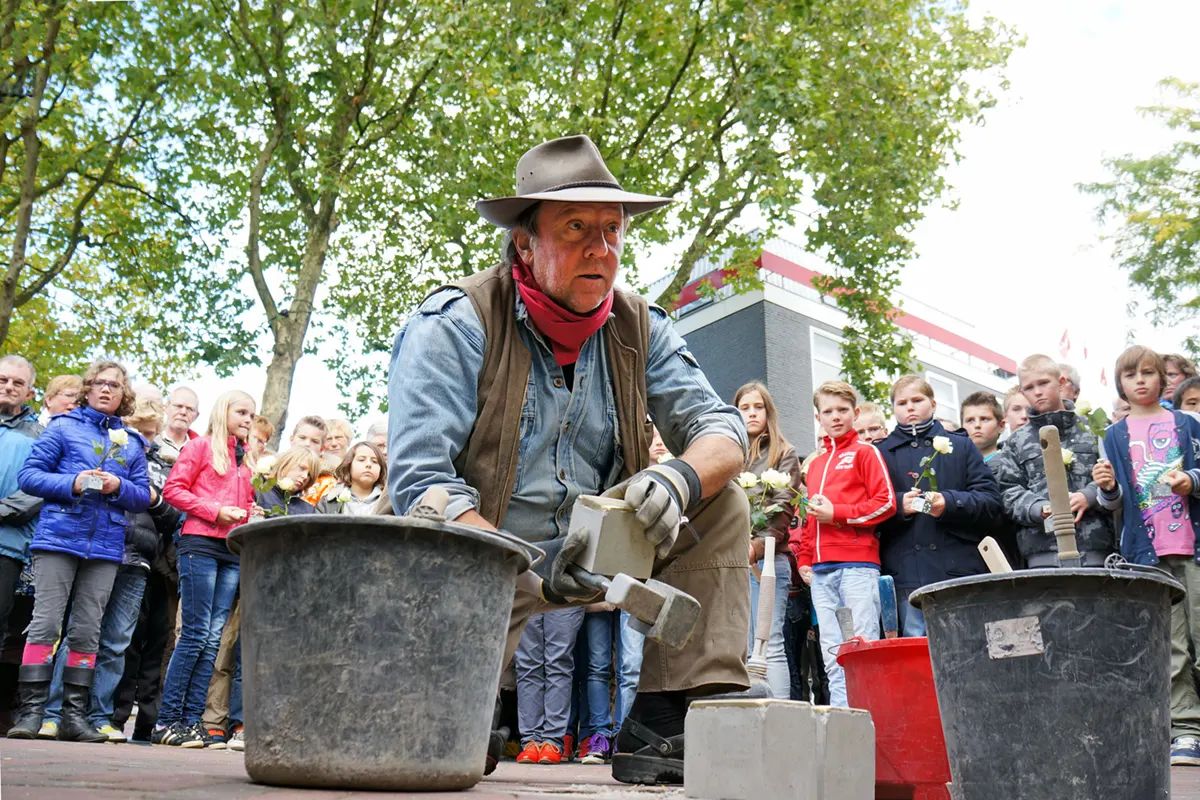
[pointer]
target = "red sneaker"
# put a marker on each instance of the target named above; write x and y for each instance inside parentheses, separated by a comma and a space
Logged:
(569, 747)
(583, 748)
(551, 754)
(531, 754)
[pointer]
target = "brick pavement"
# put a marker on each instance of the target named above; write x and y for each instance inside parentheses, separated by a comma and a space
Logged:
(62, 771)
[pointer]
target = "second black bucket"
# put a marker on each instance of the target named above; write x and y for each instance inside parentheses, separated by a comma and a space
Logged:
(1054, 684)
(371, 649)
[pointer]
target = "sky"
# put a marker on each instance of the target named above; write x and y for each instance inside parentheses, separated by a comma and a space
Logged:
(1021, 256)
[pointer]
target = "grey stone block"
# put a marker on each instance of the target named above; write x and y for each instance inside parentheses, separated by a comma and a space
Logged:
(778, 750)
(616, 542)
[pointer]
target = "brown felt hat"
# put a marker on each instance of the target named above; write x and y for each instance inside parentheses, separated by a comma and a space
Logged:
(569, 170)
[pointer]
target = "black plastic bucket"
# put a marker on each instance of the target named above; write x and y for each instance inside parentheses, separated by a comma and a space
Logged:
(1054, 684)
(371, 649)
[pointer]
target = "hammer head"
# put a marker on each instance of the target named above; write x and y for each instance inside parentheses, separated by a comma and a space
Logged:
(660, 611)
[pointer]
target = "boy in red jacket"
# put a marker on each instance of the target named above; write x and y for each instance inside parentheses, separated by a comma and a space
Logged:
(838, 550)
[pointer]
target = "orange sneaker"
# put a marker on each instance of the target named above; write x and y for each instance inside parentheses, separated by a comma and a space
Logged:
(551, 754)
(532, 754)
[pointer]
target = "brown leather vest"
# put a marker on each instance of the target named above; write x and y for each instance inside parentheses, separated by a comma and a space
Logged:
(489, 462)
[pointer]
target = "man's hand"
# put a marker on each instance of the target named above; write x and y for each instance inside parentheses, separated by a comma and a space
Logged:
(820, 508)
(230, 514)
(758, 549)
(558, 585)
(1078, 505)
(806, 575)
(1180, 482)
(1104, 476)
(659, 495)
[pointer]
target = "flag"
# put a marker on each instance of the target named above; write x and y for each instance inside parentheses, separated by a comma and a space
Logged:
(1064, 344)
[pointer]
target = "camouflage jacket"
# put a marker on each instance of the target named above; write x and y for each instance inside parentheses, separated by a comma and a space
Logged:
(1022, 476)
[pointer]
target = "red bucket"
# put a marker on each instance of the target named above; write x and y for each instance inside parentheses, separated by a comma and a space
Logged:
(893, 679)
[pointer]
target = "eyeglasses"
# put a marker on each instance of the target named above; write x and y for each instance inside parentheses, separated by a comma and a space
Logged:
(110, 385)
(16, 382)
(181, 407)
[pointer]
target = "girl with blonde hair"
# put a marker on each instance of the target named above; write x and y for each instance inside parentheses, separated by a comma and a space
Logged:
(210, 483)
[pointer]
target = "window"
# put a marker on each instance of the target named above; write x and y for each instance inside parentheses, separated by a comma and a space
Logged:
(945, 391)
(826, 357)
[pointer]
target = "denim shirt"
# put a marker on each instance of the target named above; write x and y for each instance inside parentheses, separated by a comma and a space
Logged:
(568, 438)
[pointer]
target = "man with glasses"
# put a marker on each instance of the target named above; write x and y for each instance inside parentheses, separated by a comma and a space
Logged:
(183, 406)
(18, 511)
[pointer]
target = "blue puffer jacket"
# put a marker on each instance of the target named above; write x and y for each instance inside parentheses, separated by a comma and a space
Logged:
(18, 511)
(919, 549)
(91, 525)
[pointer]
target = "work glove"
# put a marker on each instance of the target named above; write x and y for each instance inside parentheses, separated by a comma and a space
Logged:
(659, 496)
(557, 584)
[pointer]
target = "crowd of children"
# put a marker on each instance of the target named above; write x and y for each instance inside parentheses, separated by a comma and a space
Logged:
(915, 503)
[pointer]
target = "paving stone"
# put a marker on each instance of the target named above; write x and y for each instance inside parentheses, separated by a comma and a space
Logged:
(779, 749)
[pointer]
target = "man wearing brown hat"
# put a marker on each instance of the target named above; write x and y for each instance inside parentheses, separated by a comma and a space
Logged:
(535, 381)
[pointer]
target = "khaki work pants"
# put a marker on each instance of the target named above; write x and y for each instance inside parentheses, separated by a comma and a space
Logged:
(710, 562)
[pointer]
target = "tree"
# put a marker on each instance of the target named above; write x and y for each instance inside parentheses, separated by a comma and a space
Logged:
(849, 109)
(95, 231)
(1157, 201)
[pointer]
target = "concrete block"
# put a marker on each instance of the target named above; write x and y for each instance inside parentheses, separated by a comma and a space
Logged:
(616, 542)
(778, 749)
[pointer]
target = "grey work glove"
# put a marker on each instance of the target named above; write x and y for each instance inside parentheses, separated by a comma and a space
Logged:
(557, 583)
(659, 494)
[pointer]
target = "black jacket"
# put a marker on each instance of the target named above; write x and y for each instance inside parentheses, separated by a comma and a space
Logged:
(919, 549)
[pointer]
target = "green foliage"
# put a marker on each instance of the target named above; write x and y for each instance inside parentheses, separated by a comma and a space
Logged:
(103, 252)
(848, 109)
(1157, 202)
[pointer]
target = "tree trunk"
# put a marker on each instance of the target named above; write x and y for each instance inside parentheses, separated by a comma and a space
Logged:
(32, 145)
(291, 326)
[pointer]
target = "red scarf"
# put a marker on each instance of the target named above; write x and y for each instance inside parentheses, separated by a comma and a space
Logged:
(566, 330)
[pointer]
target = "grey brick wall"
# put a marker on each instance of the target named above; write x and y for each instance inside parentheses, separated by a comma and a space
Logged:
(773, 344)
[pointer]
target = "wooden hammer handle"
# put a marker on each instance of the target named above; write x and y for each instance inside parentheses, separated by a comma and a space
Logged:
(1060, 498)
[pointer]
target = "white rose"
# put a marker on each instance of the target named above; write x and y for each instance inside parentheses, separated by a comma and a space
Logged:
(1068, 457)
(344, 496)
(665, 457)
(1083, 409)
(747, 480)
(286, 484)
(119, 437)
(264, 465)
(775, 479)
(942, 445)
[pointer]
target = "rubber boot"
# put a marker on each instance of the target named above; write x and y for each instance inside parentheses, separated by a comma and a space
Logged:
(77, 691)
(34, 690)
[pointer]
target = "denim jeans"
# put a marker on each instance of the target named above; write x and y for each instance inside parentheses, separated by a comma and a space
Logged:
(545, 665)
(235, 690)
(604, 629)
(912, 621)
(778, 676)
(857, 588)
(206, 591)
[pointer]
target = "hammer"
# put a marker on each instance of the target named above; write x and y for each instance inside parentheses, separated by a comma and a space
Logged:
(1060, 502)
(658, 610)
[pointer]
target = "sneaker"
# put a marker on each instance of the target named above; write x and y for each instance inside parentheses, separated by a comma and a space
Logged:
(210, 737)
(551, 754)
(1185, 752)
(568, 747)
(584, 750)
(512, 749)
(531, 754)
(49, 730)
(237, 740)
(176, 735)
(114, 735)
(599, 749)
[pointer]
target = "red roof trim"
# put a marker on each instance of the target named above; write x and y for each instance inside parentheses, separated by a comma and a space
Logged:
(793, 271)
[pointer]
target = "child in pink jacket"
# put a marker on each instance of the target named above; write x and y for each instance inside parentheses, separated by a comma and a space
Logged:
(211, 484)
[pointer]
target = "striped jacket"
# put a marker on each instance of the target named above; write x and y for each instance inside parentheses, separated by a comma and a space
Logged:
(853, 476)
